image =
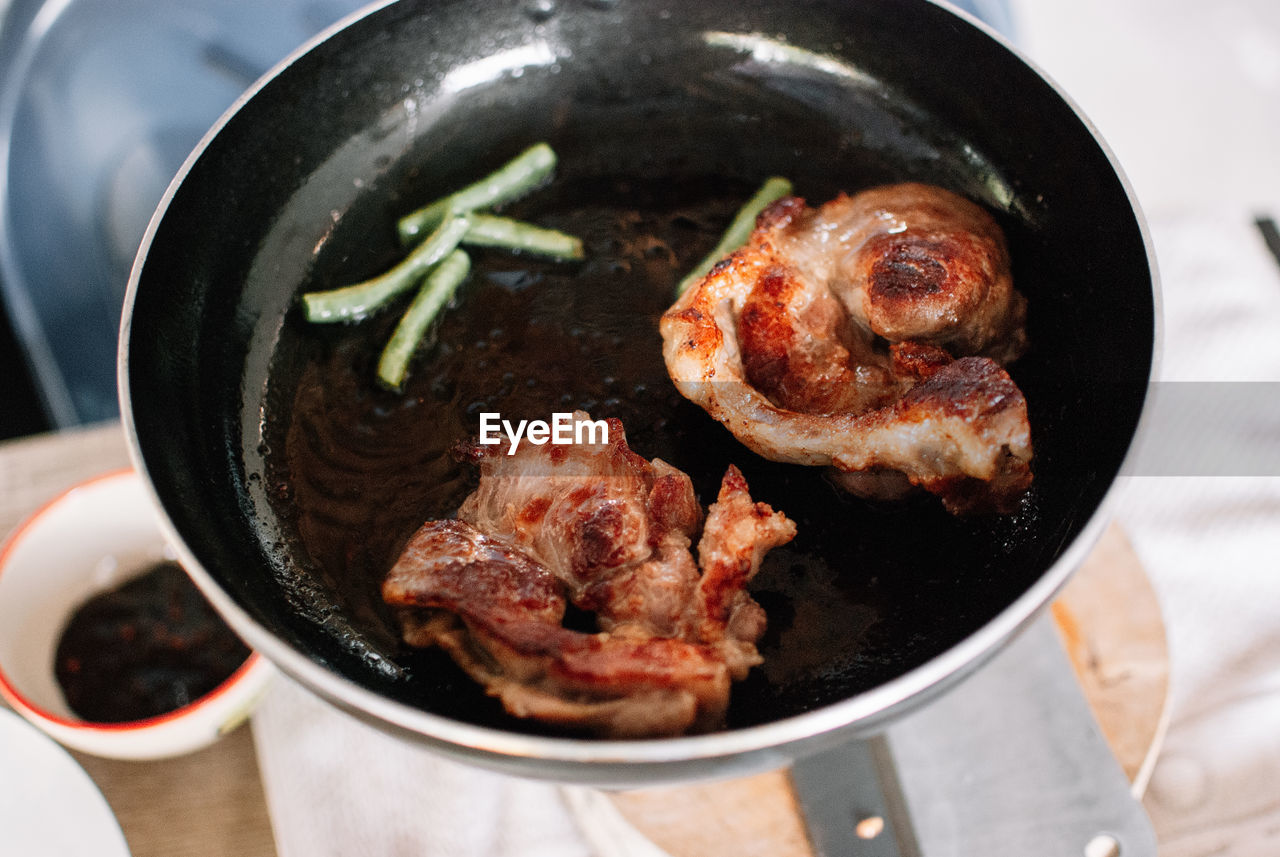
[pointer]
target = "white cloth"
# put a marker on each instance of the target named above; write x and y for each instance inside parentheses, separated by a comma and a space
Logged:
(338, 788)
(1186, 93)
(1211, 545)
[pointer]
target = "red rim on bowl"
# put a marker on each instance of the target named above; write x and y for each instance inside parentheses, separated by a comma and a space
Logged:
(19, 701)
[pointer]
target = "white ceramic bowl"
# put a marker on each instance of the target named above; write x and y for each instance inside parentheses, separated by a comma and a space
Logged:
(88, 539)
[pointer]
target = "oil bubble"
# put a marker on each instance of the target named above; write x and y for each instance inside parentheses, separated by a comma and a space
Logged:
(540, 10)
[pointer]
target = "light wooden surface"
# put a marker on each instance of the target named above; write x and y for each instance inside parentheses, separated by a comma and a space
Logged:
(1113, 631)
(212, 803)
(749, 817)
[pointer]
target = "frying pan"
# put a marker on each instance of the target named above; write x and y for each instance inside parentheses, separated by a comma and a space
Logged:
(662, 114)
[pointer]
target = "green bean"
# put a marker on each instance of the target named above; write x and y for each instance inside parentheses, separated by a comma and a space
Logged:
(739, 230)
(358, 301)
(488, 230)
(436, 291)
(516, 178)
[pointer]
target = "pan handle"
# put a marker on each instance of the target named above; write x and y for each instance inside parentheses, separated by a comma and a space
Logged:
(1010, 762)
(853, 803)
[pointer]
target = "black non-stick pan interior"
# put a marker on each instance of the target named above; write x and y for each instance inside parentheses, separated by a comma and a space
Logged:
(295, 480)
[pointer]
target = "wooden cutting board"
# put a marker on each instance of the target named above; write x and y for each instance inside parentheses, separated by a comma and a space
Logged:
(1111, 627)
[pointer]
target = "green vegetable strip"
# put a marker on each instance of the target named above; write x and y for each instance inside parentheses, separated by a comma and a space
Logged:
(520, 175)
(357, 301)
(739, 230)
(434, 294)
(490, 231)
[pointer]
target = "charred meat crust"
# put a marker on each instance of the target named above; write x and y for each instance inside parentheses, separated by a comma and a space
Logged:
(784, 342)
(601, 527)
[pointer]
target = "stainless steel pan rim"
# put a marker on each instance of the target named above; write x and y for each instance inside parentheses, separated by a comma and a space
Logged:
(862, 714)
(615, 762)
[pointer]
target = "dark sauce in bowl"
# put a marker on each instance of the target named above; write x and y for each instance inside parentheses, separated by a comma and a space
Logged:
(145, 648)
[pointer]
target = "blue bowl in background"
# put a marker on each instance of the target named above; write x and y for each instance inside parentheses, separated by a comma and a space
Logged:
(100, 103)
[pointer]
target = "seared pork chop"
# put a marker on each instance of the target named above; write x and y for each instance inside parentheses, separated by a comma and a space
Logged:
(596, 525)
(868, 335)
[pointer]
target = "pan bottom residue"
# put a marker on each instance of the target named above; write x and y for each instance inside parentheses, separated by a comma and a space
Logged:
(863, 594)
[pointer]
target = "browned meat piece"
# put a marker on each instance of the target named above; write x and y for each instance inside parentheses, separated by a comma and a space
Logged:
(908, 262)
(797, 344)
(783, 342)
(739, 532)
(498, 613)
(613, 527)
(467, 570)
(598, 525)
